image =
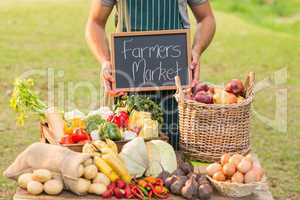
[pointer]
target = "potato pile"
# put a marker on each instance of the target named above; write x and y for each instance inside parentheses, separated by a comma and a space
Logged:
(183, 181)
(236, 169)
(91, 181)
(41, 180)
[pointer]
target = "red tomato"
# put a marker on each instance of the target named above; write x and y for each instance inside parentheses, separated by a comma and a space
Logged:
(66, 140)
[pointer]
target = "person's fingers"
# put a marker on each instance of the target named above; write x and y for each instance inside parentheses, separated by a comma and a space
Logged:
(196, 73)
(107, 86)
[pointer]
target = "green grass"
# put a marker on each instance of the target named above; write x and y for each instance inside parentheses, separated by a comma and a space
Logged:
(280, 15)
(39, 34)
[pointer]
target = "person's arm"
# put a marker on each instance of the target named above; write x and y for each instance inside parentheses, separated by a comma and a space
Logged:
(205, 30)
(96, 38)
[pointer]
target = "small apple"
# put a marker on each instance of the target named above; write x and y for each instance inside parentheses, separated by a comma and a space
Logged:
(200, 87)
(204, 97)
(223, 97)
(235, 86)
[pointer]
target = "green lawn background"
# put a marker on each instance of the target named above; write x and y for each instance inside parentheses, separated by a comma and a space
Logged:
(40, 34)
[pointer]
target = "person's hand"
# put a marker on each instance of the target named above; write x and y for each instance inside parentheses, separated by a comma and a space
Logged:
(195, 67)
(108, 80)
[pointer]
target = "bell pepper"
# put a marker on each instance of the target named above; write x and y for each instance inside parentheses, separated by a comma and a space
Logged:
(110, 131)
(66, 140)
(67, 130)
(77, 123)
(80, 134)
(120, 119)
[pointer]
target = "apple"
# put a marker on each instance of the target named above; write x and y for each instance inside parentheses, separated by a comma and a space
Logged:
(200, 87)
(204, 97)
(223, 97)
(235, 86)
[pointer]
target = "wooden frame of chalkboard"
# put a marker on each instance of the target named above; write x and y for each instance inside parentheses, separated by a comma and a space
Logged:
(188, 78)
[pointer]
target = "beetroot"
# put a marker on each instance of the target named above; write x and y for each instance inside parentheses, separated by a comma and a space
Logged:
(120, 184)
(119, 193)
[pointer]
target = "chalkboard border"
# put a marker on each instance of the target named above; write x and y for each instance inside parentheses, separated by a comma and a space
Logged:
(139, 33)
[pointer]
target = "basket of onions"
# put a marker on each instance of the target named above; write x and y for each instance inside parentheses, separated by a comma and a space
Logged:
(236, 175)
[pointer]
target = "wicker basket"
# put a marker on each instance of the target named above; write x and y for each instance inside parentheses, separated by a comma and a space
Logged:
(47, 137)
(207, 131)
(237, 189)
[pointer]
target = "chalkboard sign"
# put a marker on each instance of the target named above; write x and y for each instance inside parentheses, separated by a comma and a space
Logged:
(147, 61)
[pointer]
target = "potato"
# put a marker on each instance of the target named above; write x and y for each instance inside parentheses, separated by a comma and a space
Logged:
(41, 175)
(24, 179)
(35, 187)
(101, 178)
(97, 188)
(90, 172)
(88, 162)
(83, 186)
(53, 187)
(80, 171)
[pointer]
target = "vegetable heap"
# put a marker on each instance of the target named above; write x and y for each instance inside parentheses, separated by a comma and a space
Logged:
(140, 103)
(23, 100)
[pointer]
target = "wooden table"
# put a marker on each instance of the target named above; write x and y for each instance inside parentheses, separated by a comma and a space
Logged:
(23, 195)
(261, 193)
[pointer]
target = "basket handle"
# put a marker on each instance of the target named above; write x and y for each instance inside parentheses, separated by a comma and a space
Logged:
(179, 91)
(249, 84)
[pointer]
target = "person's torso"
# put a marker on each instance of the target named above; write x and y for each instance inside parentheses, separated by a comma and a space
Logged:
(148, 15)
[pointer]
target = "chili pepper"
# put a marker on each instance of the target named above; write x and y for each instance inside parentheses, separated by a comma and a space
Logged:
(150, 195)
(143, 190)
(137, 192)
(142, 183)
(151, 179)
(157, 193)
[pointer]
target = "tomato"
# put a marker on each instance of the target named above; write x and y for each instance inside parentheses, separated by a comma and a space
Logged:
(79, 134)
(66, 140)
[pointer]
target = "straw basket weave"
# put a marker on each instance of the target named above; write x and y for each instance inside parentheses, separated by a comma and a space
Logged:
(237, 189)
(207, 131)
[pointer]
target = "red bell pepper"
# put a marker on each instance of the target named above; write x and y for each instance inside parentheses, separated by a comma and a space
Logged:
(79, 134)
(120, 119)
(66, 140)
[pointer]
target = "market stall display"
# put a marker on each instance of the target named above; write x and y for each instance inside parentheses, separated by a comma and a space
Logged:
(236, 175)
(214, 120)
(120, 152)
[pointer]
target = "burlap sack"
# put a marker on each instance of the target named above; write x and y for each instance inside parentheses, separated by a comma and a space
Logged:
(52, 157)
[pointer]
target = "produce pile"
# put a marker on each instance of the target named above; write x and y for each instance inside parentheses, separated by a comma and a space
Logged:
(184, 182)
(234, 92)
(41, 180)
(132, 116)
(236, 169)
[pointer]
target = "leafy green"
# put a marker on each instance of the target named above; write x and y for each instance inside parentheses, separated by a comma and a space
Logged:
(93, 122)
(24, 101)
(140, 103)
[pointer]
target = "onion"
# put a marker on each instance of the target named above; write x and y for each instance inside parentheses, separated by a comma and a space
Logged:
(219, 176)
(229, 169)
(235, 159)
(213, 168)
(225, 158)
(250, 177)
(244, 166)
(238, 177)
(258, 171)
